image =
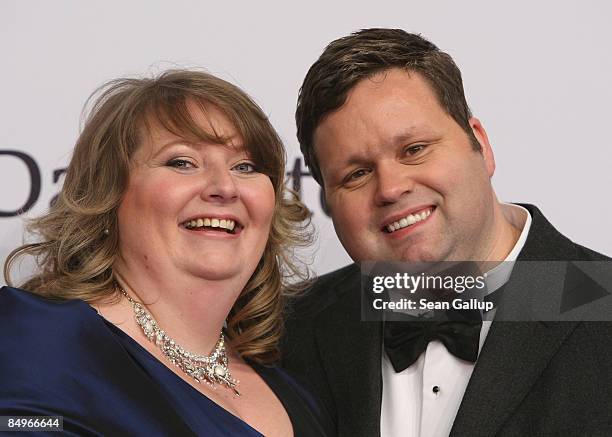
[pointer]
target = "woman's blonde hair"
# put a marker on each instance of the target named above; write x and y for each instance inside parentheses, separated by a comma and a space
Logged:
(79, 238)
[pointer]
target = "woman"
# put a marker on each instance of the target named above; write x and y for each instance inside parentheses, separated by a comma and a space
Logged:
(157, 304)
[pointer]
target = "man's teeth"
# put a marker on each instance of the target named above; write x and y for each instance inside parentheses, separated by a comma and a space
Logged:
(408, 220)
(211, 223)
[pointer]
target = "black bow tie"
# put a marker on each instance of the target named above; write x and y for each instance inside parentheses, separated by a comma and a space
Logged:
(459, 331)
(405, 341)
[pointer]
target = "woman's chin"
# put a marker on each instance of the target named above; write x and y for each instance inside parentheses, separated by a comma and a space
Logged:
(218, 269)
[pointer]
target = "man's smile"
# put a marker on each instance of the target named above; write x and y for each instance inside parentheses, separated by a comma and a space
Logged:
(409, 220)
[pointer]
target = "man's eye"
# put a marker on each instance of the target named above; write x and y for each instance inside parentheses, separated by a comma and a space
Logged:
(413, 150)
(180, 163)
(357, 174)
(245, 167)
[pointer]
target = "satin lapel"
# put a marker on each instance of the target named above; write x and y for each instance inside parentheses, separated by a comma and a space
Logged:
(351, 351)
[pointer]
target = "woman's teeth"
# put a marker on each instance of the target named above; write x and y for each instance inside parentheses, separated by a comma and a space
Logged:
(203, 222)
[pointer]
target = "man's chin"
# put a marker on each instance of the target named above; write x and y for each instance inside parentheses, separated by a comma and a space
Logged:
(420, 255)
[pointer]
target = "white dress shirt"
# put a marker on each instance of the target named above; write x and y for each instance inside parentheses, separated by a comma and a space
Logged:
(423, 400)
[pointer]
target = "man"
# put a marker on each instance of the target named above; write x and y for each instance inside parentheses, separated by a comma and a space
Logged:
(386, 131)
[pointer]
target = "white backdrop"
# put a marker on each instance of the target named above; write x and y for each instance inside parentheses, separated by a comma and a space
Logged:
(536, 73)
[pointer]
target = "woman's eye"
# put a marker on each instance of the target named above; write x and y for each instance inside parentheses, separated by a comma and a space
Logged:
(245, 167)
(413, 150)
(180, 163)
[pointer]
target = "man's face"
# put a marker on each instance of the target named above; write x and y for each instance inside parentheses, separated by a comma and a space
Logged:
(401, 177)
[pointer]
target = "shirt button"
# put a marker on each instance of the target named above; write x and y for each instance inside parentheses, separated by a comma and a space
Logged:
(435, 390)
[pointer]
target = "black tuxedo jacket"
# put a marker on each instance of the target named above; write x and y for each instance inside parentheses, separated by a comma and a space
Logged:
(531, 378)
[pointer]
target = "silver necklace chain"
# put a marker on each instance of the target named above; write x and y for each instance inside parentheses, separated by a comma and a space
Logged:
(212, 369)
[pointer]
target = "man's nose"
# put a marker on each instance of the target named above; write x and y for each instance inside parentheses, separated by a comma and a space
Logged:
(219, 186)
(393, 180)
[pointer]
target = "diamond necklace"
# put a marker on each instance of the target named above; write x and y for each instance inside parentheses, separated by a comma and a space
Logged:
(212, 369)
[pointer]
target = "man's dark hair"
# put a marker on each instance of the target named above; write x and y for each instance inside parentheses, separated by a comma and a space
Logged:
(362, 54)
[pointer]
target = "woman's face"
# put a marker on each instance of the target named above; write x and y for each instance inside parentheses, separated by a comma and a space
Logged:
(200, 209)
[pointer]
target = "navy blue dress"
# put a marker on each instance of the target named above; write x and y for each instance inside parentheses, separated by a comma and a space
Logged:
(63, 359)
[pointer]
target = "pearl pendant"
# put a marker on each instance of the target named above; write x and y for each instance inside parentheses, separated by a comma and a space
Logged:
(219, 371)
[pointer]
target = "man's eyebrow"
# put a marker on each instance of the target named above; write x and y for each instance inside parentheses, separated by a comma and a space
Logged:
(409, 134)
(354, 159)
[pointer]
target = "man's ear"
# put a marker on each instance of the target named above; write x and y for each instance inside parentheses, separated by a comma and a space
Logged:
(485, 146)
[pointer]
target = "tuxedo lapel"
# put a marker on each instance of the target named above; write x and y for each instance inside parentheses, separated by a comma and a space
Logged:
(514, 354)
(351, 355)
(513, 357)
